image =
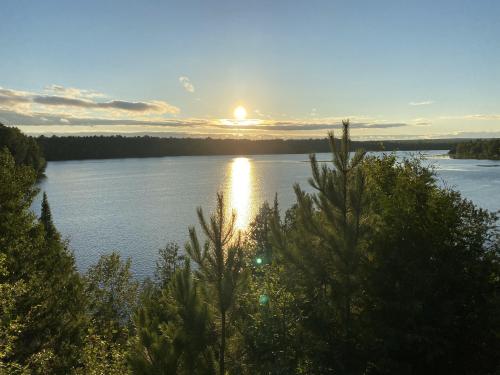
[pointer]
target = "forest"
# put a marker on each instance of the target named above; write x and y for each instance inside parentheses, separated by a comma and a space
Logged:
(106, 147)
(476, 149)
(35, 151)
(380, 270)
(24, 149)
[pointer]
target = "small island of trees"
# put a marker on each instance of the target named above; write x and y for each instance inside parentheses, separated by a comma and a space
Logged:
(380, 270)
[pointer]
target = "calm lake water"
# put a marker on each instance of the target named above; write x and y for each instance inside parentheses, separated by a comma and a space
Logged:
(135, 206)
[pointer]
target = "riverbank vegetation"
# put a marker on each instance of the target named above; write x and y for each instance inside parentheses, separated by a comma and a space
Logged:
(379, 271)
(477, 149)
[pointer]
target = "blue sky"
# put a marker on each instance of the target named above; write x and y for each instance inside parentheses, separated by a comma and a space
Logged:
(397, 69)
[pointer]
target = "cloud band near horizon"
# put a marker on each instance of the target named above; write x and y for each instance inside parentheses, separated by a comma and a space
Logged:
(13, 98)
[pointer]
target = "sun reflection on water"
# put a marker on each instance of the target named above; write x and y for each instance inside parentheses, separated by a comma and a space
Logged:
(240, 191)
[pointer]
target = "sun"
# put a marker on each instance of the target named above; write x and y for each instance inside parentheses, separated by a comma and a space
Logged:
(240, 113)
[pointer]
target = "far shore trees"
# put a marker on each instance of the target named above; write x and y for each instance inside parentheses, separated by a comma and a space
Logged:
(477, 149)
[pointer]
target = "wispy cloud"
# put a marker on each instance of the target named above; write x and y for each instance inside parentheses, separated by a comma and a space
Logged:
(263, 125)
(155, 106)
(483, 117)
(306, 126)
(10, 117)
(186, 83)
(425, 102)
(13, 97)
(421, 122)
(73, 92)
(75, 102)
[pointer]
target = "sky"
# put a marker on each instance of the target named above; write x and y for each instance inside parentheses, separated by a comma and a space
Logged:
(396, 69)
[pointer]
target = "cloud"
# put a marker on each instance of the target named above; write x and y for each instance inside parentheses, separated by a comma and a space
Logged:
(186, 83)
(156, 106)
(475, 134)
(13, 97)
(10, 117)
(73, 92)
(306, 126)
(18, 118)
(421, 122)
(83, 102)
(426, 102)
(483, 117)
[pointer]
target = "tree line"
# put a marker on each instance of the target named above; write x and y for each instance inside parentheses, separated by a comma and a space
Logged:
(477, 149)
(106, 147)
(378, 271)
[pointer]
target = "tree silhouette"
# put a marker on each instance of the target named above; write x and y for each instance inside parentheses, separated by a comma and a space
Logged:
(46, 219)
(326, 246)
(220, 265)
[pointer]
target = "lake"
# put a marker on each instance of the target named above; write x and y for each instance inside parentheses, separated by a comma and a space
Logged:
(135, 206)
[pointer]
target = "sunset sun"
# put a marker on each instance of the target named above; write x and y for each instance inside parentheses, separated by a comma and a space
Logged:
(240, 113)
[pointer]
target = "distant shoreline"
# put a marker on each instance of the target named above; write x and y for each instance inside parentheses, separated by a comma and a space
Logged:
(116, 147)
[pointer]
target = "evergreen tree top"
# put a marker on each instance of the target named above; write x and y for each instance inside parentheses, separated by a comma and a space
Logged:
(46, 219)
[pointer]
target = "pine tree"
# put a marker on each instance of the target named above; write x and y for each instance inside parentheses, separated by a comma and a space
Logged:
(190, 332)
(173, 331)
(151, 351)
(51, 306)
(325, 246)
(46, 219)
(220, 265)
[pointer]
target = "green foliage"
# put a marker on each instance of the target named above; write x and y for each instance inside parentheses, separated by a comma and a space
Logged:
(151, 351)
(169, 261)
(174, 333)
(112, 294)
(258, 235)
(101, 355)
(46, 220)
(380, 271)
(324, 251)
(477, 149)
(268, 339)
(431, 277)
(24, 149)
(220, 266)
(10, 324)
(49, 311)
